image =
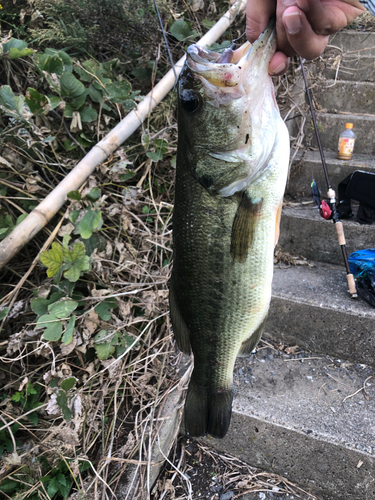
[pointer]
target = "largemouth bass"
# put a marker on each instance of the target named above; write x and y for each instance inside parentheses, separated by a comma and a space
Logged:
(232, 165)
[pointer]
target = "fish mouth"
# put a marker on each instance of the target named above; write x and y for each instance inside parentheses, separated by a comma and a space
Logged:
(227, 69)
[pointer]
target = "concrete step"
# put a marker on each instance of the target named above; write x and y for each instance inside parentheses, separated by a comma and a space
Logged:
(351, 67)
(306, 419)
(350, 42)
(311, 307)
(355, 97)
(308, 166)
(304, 232)
(331, 125)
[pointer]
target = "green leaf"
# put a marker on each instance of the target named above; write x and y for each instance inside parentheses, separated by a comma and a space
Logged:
(30, 389)
(21, 218)
(154, 156)
(70, 85)
(104, 307)
(90, 222)
(15, 53)
(74, 195)
(16, 48)
(40, 305)
(208, 24)
(79, 266)
(4, 313)
(79, 101)
(53, 327)
(63, 56)
(14, 42)
(76, 253)
(68, 334)
(181, 30)
(83, 75)
(96, 95)
(62, 479)
(54, 65)
(52, 259)
(219, 46)
(38, 103)
(94, 194)
(63, 309)
(53, 487)
(111, 65)
(73, 217)
(54, 101)
(17, 397)
(118, 91)
(68, 111)
(104, 351)
(88, 114)
(11, 103)
(7, 485)
(95, 241)
(68, 383)
(33, 417)
(62, 401)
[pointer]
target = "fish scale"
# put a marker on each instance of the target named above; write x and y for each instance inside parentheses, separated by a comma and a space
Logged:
(229, 187)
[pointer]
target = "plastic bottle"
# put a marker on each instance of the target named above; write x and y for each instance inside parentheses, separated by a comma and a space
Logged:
(346, 143)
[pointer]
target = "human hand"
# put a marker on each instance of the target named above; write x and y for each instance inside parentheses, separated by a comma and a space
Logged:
(302, 26)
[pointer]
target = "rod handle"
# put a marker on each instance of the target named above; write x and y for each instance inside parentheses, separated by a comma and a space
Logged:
(352, 287)
(340, 233)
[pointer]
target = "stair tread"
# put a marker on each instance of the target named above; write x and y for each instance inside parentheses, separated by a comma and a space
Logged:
(357, 161)
(322, 286)
(304, 416)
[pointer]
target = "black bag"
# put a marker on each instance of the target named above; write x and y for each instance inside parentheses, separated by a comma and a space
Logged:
(358, 186)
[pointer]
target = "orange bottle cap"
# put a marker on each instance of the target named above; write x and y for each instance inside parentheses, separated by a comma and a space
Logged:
(349, 125)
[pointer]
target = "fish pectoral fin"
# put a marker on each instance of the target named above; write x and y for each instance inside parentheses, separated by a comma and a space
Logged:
(249, 344)
(180, 329)
(243, 228)
(277, 222)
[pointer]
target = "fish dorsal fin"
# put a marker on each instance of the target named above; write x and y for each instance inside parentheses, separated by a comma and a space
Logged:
(244, 225)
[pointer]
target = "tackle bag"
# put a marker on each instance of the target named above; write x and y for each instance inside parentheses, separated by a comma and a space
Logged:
(362, 266)
(358, 186)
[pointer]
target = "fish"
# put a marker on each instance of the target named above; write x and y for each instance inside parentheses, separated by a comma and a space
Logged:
(231, 171)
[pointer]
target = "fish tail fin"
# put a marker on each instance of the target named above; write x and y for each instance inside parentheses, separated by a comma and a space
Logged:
(207, 411)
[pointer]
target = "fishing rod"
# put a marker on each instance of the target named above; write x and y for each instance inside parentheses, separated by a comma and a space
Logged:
(331, 195)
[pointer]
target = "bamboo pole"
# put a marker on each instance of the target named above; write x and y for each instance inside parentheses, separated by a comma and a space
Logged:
(43, 213)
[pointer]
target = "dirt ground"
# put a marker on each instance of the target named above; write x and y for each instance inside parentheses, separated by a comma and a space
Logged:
(196, 471)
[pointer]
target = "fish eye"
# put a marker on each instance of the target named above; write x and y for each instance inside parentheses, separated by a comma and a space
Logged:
(190, 100)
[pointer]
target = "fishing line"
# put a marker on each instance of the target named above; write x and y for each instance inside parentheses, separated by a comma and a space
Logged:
(166, 41)
(331, 194)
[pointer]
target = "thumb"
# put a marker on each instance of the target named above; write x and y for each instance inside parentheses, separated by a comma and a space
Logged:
(258, 14)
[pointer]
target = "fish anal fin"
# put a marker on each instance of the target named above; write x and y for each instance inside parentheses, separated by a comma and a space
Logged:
(243, 228)
(180, 329)
(249, 344)
(207, 410)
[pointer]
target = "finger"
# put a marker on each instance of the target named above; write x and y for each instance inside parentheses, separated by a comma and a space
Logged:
(258, 14)
(301, 37)
(328, 17)
(279, 64)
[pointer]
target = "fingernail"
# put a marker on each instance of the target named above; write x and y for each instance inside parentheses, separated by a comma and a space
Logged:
(292, 22)
(279, 69)
(288, 3)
